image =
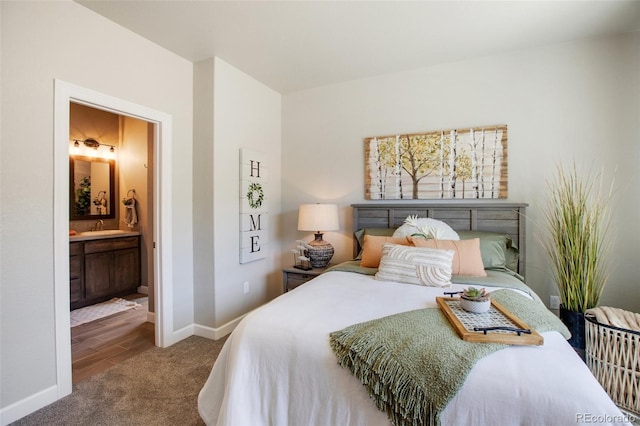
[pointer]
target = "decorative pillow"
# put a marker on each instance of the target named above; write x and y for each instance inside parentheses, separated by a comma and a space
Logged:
(512, 256)
(497, 249)
(415, 265)
(360, 233)
(372, 249)
(467, 259)
(430, 228)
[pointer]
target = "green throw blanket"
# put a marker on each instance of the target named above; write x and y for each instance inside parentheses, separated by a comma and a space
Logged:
(413, 363)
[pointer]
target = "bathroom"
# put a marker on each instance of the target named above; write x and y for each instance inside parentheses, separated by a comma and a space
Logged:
(111, 164)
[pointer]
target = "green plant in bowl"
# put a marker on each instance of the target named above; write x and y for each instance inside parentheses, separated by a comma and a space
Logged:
(475, 300)
(473, 293)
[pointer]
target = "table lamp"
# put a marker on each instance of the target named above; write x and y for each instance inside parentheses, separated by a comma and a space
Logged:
(318, 218)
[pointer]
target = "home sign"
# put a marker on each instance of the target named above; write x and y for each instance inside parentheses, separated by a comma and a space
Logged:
(254, 238)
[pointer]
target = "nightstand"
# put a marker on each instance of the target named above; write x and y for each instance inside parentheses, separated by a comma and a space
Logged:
(293, 277)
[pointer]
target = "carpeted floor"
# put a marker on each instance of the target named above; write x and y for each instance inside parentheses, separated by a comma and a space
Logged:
(157, 387)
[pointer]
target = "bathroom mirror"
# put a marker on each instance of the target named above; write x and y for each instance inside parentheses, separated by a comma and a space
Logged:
(92, 185)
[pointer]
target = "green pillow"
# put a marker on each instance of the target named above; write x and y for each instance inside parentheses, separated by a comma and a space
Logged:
(497, 250)
(512, 256)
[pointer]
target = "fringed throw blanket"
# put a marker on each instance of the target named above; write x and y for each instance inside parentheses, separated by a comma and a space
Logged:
(413, 363)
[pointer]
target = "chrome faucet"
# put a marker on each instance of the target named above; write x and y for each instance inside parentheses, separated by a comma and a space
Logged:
(98, 226)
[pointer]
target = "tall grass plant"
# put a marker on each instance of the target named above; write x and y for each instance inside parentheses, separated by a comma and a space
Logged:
(578, 218)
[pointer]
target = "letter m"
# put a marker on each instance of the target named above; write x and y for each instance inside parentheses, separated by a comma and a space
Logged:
(255, 223)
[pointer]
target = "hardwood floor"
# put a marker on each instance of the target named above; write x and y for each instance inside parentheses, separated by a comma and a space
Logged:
(101, 344)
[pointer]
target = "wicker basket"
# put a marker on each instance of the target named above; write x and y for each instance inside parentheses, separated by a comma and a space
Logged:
(613, 356)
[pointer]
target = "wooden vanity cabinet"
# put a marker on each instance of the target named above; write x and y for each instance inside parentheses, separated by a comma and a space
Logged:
(76, 272)
(111, 269)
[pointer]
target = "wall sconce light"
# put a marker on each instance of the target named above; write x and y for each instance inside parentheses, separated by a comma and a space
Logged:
(318, 218)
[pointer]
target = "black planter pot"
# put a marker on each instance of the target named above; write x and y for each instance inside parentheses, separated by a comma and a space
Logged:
(575, 323)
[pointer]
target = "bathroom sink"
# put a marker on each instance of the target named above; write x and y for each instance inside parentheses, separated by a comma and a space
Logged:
(96, 235)
(99, 233)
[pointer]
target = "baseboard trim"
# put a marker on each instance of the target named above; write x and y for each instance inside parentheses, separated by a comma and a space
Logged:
(216, 333)
(151, 317)
(143, 289)
(28, 405)
(179, 335)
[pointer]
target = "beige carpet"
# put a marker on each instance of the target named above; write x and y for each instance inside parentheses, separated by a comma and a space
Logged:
(157, 387)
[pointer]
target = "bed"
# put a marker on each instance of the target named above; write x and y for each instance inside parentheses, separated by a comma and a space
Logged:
(280, 365)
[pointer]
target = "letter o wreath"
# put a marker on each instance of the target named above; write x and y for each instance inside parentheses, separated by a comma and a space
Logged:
(255, 195)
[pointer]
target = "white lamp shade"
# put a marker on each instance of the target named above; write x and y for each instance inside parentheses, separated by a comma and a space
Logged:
(318, 217)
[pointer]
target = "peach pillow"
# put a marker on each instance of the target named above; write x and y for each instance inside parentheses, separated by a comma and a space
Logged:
(372, 248)
(467, 259)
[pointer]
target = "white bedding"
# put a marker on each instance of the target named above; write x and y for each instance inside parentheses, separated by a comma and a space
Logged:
(277, 368)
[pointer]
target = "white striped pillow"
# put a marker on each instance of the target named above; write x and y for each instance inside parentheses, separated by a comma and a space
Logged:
(415, 265)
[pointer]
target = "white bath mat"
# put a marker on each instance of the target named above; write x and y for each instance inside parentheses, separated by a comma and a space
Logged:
(101, 310)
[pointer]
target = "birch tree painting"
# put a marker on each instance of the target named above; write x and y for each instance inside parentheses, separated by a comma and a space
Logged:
(446, 164)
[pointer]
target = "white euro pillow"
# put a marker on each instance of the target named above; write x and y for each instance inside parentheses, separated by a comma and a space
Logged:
(428, 227)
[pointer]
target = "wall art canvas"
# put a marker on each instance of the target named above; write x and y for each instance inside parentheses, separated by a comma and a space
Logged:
(254, 237)
(444, 164)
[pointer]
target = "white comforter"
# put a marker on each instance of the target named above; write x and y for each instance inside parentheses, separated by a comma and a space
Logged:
(277, 367)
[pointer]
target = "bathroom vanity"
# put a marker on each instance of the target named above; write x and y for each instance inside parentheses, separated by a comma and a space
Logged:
(103, 265)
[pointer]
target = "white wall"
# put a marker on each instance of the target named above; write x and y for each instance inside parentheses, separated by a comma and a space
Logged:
(203, 245)
(43, 41)
(572, 101)
(232, 111)
(247, 114)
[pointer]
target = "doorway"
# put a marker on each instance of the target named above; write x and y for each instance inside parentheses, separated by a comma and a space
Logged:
(65, 94)
(112, 303)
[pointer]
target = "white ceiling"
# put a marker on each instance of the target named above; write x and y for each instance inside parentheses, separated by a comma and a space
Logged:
(297, 45)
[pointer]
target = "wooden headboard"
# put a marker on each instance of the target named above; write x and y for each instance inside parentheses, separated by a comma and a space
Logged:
(494, 216)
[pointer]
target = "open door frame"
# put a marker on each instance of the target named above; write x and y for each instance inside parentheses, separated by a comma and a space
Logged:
(162, 214)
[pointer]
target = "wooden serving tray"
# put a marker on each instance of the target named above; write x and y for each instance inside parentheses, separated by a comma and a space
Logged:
(463, 322)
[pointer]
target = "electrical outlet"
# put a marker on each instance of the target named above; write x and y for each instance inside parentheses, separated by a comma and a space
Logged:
(245, 287)
(554, 302)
